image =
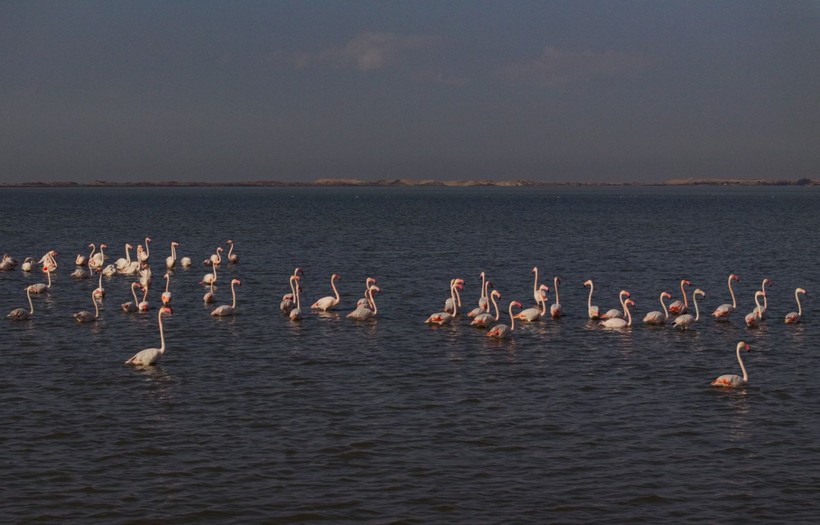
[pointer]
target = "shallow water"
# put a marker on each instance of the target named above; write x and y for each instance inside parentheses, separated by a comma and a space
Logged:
(259, 419)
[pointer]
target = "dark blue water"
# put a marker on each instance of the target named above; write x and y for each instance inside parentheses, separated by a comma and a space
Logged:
(259, 419)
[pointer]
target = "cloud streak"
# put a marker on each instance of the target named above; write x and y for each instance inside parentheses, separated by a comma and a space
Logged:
(555, 66)
(365, 52)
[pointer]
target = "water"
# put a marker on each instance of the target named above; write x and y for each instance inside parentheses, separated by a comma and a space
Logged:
(259, 419)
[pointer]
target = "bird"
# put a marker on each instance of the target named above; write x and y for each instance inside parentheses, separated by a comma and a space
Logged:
(555, 308)
(501, 330)
(39, 288)
(592, 311)
(536, 293)
(130, 306)
(328, 302)
(28, 263)
(226, 310)
(657, 317)
(794, 317)
(454, 300)
(296, 312)
(209, 296)
(617, 322)
(686, 320)
(733, 380)
(484, 320)
(753, 318)
(99, 292)
(124, 262)
(96, 260)
(209, 278)
(761, 309)
(166, 295)
(232, 257)
(21, 314)
(614, 313)
(171, 260)
(150, 356)
(723, 311)
(146, 253)
(363, 312)
(680, 307)
(143, 305)
(82, 260)
(534, 314)
(185, 262)
(289, 299)
(446, 317)
(86, 316)
(483, 300)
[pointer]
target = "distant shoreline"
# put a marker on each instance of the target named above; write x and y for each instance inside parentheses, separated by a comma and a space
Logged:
(410, 183)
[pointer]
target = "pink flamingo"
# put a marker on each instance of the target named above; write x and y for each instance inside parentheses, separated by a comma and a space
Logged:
(442, 318)
(533, 314)
(614, 313)
(328, 302)
(166, 295)
(592, 311)
(723, 311)
(753, 318)
(483, 300)
(555, 308)
(656, 317)
(502, 331)
(794, 317)
(85, 316)
(733, 380)
(143, 306)
(367, 309)
(453, 300)
(617, 322)
(131, 307)
(483, 320)
(171, 260)
(680, 307)
(761, 310)
(232, 257)
(226, 310)
(149, 356)
(686, 320)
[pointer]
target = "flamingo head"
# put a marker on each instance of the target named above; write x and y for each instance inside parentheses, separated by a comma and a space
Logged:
(516, 303)
(166, 276)
(666, 295)
(686, 282)
(544, 288)
(375, 289)
(625, 293)
(335, 276)
(743, 345)
(229, 241)
(734, 277)
(92, 245)
(557, 280)
(534, 269)
(496, 294)
(369, 281)
(629, 302)
(298, 271)
(801, 290)
(236, 281)
(174, 243)
(482, 275)
(588, 282)
(147, 240)
(166, 310)
(699, 292)
(768, 282)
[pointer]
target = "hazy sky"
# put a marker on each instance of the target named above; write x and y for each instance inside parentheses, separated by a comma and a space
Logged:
(542, 90)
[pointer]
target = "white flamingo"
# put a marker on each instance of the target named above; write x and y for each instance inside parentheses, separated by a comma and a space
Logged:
(39, 288)
(592, 311)
(617, 322)
(753, 318)
(296, 313)
(209, 296)
(149, 356)
(535, 313)
(453, 300)
(21, 314)
(794, 317)
(733, 380)
(723, 311)
(215, 259)
(614, 313)
(209, 278)
(484, 320)
(96, 261)
(501, 330)
(365, 312)
(232, 257)
(122, 262)
(130, 306)
(27, 265)
(446, 317)
(555, 309)
(82, 260)
(143, 257)
(483, 300)
(226, 310)
(186, 262)
(171, 260)
(536, 293)
(686, 320)
(681, 307)
(761, 309)
(86, 316)
(328, 302)
(657, 317)
(289, 299)
(166, 295)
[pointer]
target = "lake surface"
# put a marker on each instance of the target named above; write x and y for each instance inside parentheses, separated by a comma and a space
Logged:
(256, 418)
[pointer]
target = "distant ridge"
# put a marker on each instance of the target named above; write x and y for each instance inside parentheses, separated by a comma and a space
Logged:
(412, 182)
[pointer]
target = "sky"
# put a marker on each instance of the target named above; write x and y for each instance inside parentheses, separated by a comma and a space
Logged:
(552, 91)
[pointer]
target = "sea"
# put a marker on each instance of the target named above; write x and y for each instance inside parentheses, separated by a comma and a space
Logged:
(255, 418)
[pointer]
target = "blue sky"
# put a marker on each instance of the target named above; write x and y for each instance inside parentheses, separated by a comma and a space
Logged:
(296, 91)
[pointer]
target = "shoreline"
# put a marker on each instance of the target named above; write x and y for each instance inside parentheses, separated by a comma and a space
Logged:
(409, 183)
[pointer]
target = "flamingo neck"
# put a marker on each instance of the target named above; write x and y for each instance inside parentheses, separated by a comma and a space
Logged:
(167, 283)
(230, 251)
(512, 319)
(48, 275)
(453, 294)
(233, 295)
(376, 308)
(147, 252)
(495, 304)
(695, 302)
(30, 303)
(628, 315)
(732, 293)
(665, 311)
(161, 333)
(127, 254)
(799, 306)
(134, 293)
(742, 367)
(589, 301)
(535, 291)
(96, 307)
(543, 304)
(483, 285)
(683, 293)
(332, 285)
(557, 297)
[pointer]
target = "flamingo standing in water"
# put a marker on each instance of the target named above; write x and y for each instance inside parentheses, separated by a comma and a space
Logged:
(39, 288)
(723, 311)
(794, 317)
(87, 317)
(614, 313)
(209, 296)
(761, 309)
(21, 314)
(99, 292)
(617, 322)
(225, 310)
(143, 306)
(502, 331)
(95, 261)
(454, 300)
(686, 320)
(123, 262)
(681, 307)
(143, 257)
(232, 257)
(536, 292)
(215, 259)
(555, 308)
(82, 260)
(209, 278)
(483, 300)
(149, 356)
(296, 313)
(753, 318)
(446, 317)
(166, 295)
(534, 314)
(658, 318)
(733, 380)
(28, 263)
(131, 307)
(363, 311)
(484, 320)
(592, 311)
(328, 302)
(171, 260)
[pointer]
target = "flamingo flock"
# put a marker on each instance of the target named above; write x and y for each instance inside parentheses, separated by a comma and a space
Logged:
(487, 314)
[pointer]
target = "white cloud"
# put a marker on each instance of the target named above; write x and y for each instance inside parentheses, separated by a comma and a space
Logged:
(365, 52)
(555, 66)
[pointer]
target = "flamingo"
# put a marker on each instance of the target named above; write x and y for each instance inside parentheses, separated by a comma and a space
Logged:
(166, 295)
(226, 310)
(536, 292)
(49, 261)
(186, 262)
(131, 307)
(143, 257)
(592, 311)
(109, 271)
(171, 260)
(555, 308)
(82, 260)
(326, 303)
(656, 317)
(288, 300)
(453, 300)
(149, 356)
(723, 311)
(123, 262)
(733, 380)
(27, 264)
(145, 275)
(85, 316)
(614, 313)
(362, 312)
(483, 320)
(794, 317)
(502, 331)
(99, 292)
(39, 288)
(617, 322)
(446, 317)
(215, 258)
(534, 314)
(21, 314)
(209, 296)
(483, 300)
(232, 257)
(7, 264)
(96, 261)
(753, 318)
(761, 310)
(79, 273)
(296, 313)
(143, 305)
(680, 307)
(209, 278)
(686, 320)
